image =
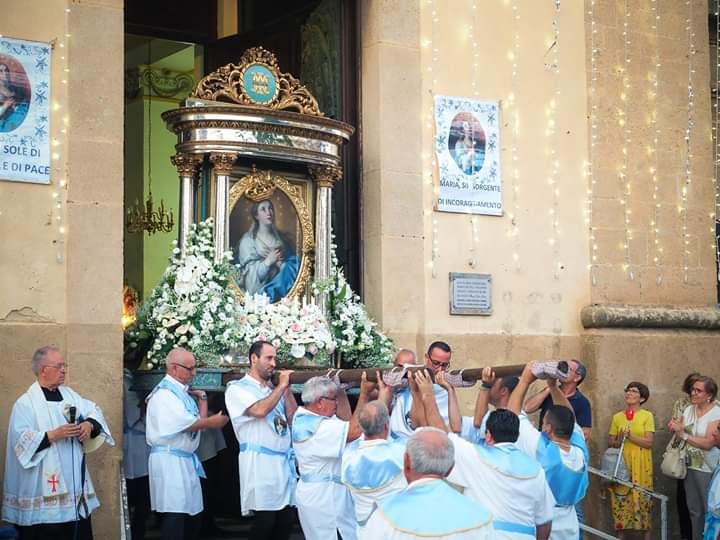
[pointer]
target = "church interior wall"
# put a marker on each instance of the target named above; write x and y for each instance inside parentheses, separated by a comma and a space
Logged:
(62, 287)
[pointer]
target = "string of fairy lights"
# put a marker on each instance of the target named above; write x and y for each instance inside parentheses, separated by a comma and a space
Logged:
(513, 55)
(715, 244)
(625, 182)
(553, 142)
(59, 144)
(474, 230)
(687, 181)
(432, 69)
(654, 149)
(589, 171)
(631, 89)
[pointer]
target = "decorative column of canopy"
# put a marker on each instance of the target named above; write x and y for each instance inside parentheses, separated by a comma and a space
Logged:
(187, 166)
(325, 177)
(222, 164)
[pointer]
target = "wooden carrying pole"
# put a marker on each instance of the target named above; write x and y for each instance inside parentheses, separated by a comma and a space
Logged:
(355, 375)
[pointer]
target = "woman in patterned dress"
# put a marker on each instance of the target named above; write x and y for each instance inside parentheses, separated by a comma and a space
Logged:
(631, 509)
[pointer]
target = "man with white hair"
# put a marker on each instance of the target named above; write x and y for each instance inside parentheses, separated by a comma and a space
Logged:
(404, 357)
(497, 474)
(372, 466)
(174, 420)
(47, 492)
(321, 429)
(428, 507)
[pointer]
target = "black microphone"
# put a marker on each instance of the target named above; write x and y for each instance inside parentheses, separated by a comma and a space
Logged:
(72, 412)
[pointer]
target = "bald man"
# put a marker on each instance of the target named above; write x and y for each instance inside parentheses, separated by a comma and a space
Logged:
(175, 416)
(428, 507)
(372, 467)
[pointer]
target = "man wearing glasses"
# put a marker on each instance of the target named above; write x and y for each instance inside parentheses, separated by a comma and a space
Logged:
(43, 491)
(174, 420)
(320, 431)
(437, 360)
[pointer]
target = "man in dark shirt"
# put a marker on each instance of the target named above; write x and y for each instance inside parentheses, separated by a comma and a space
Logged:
(580, 404)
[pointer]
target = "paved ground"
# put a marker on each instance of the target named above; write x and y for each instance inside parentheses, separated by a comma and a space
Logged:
(232, 529)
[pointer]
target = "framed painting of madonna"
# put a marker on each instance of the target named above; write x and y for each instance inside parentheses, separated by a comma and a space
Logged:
(270, 235)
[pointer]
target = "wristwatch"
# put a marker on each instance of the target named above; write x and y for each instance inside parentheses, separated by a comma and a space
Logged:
(204, 397)
(684, 436)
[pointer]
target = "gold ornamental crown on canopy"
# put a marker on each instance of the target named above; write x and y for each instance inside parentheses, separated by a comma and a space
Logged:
(261, 185)
(227, 84)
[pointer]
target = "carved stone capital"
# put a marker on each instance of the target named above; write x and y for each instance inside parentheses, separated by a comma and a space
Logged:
(186, 164)
(325, 175)
(222, 162)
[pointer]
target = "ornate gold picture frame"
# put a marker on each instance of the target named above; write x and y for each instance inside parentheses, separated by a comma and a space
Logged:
(271, 235)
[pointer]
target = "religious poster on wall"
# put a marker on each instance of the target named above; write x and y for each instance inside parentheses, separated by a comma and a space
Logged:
(468, 154)
(24, 110)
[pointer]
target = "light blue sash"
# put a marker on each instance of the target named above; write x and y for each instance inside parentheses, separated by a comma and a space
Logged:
(507, 526)
(420, 510)
(276, 417)
(508, 460)
(279, 285)
(183, 454)
(567, 486)
(320, 477)
(304, 426)
(374, 467)
(182, 395)
(289, 455)
(187, 400)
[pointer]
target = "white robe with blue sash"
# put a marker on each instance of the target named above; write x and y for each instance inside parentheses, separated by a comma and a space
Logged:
(174, 478)
(372, 470)
(265, 461)
(573, 463)
(429, 509)
(510, 484)
(324, 503)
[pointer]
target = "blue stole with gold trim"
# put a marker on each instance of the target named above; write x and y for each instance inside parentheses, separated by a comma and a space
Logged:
(509, 460)
(433, 508)
(305, 426)
(374, 467)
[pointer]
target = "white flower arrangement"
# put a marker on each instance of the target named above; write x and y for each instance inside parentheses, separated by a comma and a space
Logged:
(296, 330)
(359, 341)
(195, 307)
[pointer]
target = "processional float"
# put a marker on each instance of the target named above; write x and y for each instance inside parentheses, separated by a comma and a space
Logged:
(249, 133)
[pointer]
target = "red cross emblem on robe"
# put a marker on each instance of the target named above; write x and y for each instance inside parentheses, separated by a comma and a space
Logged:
(53, 481)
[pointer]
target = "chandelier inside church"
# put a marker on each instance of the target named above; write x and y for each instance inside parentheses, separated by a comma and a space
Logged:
(145, 217)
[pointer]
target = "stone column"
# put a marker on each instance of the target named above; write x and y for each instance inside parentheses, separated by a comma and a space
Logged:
(325, 177)
(187, 167)
(222, 166)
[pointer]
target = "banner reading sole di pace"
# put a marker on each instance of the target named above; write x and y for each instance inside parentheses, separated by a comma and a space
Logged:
(25, 110)
(468, 154)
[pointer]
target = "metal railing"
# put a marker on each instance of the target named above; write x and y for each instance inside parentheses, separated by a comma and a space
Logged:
(662, 498)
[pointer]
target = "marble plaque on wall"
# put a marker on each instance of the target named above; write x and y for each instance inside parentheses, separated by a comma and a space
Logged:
(470, 294)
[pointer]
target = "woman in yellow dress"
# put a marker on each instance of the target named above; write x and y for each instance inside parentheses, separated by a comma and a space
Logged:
(631, 509)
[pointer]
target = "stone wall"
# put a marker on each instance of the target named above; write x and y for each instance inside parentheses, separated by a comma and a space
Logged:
(64, 288)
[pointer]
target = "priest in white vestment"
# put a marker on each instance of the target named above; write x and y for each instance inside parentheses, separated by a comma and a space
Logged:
(428, 508)
(561, 450)
(261, 416)
(320, 431)
(174, 420)
(47, 491)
